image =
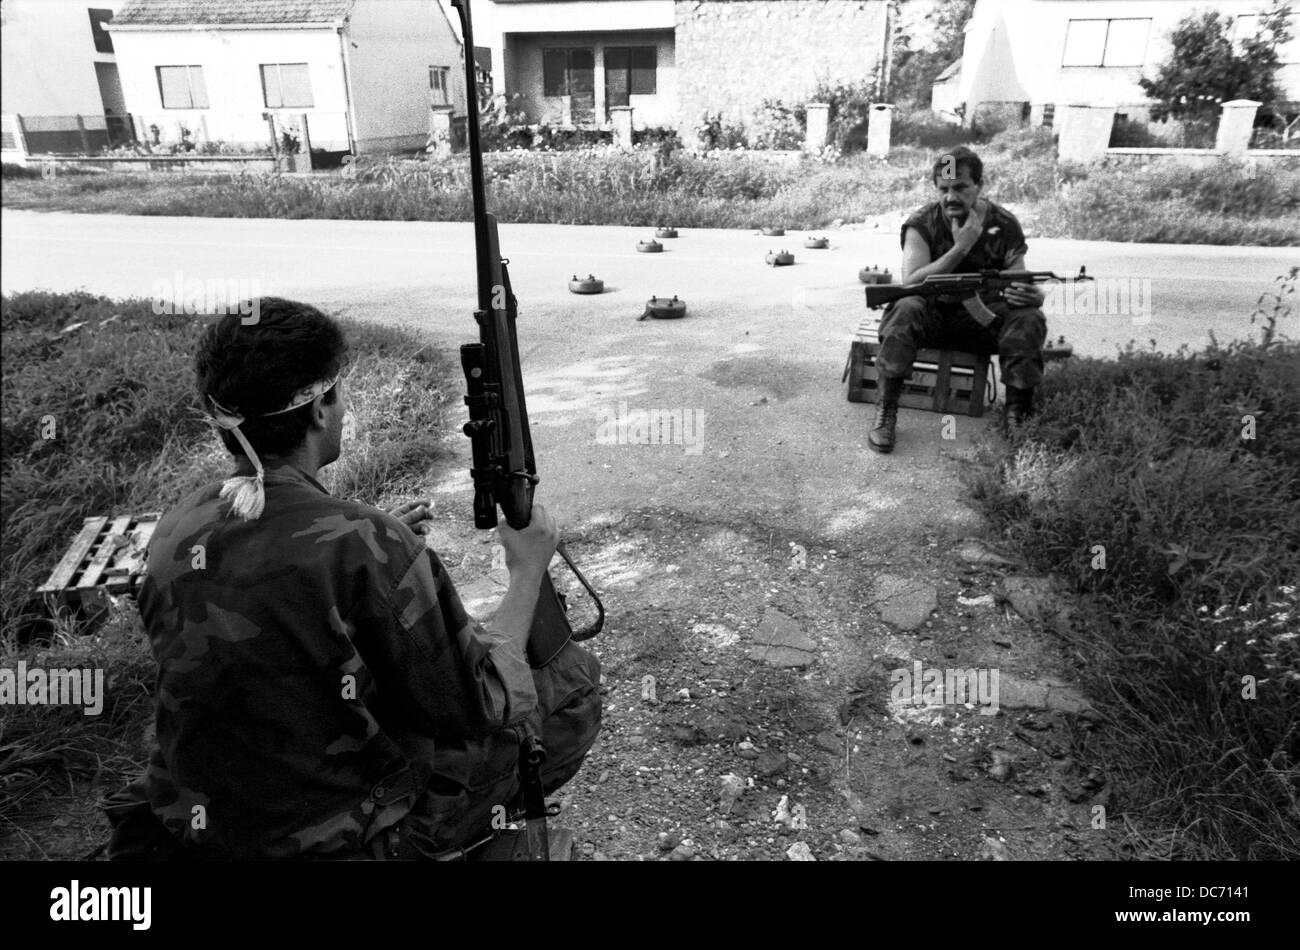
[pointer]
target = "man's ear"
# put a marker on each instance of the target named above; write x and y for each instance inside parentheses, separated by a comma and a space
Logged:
(319, 413)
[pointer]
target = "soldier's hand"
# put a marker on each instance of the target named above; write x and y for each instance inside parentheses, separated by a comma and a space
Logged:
(416, 515)
(1024, 295)
(530, 551)
(968, 234)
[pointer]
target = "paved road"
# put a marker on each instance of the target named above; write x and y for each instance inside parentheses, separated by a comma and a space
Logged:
(756, 365)
(345, 263)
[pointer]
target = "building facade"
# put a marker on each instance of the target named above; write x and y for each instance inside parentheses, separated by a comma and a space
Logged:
(571, 62)
(59, 72)
(339, 75)
(1026, 55)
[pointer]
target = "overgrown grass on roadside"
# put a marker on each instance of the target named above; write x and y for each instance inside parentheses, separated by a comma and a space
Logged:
(45, 750)
(1227, 203)
(1183, 471)
(1222, 203)
(116, 382)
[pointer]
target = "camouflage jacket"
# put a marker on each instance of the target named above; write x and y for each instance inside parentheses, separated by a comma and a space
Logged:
(305, 659)
(1001, 243)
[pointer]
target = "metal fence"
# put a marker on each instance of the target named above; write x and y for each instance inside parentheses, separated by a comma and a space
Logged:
(65, 134)
(174, 132)
(273, 131)
(1277, 126)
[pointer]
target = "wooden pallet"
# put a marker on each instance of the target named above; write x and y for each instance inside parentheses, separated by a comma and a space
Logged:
(948, 381)
(106, 560)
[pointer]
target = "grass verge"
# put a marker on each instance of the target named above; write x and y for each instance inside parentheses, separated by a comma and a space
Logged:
(1227, 203)
(1166, 489)
(99, 417)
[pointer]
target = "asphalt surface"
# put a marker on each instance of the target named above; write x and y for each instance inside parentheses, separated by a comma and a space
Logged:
(754, 369)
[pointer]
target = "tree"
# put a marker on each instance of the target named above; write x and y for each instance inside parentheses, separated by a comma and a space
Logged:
(915, 70)
(1204, 70)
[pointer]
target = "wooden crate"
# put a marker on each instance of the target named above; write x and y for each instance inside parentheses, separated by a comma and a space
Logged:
(949, 381)
(106, 559)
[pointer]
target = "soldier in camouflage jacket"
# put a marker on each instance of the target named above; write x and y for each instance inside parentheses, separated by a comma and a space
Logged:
(322, 692)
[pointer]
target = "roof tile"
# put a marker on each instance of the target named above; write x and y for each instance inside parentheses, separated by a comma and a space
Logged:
(209, 12)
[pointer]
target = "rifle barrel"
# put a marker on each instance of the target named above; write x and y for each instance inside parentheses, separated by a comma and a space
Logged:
(939, 284)
(475, 160)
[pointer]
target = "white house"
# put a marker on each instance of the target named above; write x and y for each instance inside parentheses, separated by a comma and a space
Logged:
(945, 92)
(1031, 54)
(58, 72)
(366, 74)
(572, 61)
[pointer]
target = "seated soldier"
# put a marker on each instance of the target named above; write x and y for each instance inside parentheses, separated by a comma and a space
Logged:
(961, 233)
(321, 691)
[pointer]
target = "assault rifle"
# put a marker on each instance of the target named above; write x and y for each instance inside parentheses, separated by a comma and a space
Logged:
(962, 286)
(505, 471)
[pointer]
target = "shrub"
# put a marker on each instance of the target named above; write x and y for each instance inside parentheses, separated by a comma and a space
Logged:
(849, 112)
(714, 132)
(659, 138)
(547, 138)
(777, 126)
(924, 129)
(14, 170)
(1189, 133)
(987, 123)
(1020, 165)
(1224, 204)
(1144, 458)
(115, 378)
(1023, 141)
(501, 122)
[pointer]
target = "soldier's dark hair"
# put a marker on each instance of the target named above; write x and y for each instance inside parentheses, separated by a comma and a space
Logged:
(257, 368)
(950, 163)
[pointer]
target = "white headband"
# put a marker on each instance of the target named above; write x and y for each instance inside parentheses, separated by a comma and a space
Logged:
(248, 492)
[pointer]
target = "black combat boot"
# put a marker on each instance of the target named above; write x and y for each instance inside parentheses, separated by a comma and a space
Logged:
(881, 436)
(1020, 406)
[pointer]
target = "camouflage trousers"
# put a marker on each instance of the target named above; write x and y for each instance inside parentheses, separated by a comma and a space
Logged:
(454, 790)
(1016, 336)
(475, 784)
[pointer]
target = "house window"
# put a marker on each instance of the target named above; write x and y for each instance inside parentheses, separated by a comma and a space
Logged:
(1106, 42)
(439, 92)
(566, 71)
(555, 68)
(286, 86)
(103, 39)
(1250, 25)
(629, 71)
(182, 87)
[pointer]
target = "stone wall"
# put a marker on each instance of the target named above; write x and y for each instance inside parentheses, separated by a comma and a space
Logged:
(733, 54)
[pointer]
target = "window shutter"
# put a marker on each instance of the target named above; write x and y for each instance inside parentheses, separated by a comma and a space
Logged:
(295, 85)
(198, 88)
(271, 93)
(182, 87)
(1126, 43)
(1085, 43)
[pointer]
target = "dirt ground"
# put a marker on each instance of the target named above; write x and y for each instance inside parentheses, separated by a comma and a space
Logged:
(821, 753)
(771, 576)
(774, 724)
